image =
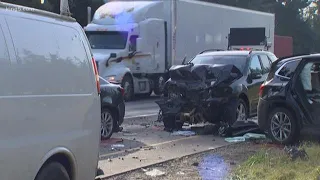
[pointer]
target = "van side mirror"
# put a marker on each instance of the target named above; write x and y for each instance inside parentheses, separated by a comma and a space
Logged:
(139, 44)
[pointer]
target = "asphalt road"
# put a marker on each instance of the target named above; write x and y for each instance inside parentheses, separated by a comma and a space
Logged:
(142, 106)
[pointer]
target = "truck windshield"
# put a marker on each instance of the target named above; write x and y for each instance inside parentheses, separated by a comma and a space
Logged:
(107, 39)
(237, 60)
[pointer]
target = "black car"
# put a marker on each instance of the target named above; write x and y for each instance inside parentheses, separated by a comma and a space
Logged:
(112, 108)
(215, 86)
(290, 98)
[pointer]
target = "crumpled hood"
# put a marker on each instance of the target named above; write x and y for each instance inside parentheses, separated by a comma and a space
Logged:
(220, 73)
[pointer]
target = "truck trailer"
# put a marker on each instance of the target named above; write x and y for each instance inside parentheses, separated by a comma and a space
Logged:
(135, 42)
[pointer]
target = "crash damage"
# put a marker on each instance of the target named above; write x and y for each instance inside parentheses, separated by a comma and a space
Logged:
(199, 94)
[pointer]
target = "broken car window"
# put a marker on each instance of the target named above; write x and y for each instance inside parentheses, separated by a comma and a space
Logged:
(288, 69)
(237, 60)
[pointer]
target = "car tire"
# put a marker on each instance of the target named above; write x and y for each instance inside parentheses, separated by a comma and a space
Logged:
(53, 171)
(108, 124)
(288, 118)
(231, 113)
(243, 104)
(127, 84)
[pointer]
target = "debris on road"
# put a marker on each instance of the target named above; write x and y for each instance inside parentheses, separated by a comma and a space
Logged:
(146, 148)
(117, 146)
(235, 139)
(155, 173)
(295, 153)
(245, 137)
(183, 133)
(129, 134)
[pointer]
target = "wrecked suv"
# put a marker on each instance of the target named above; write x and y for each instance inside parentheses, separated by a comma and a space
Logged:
(219, 87)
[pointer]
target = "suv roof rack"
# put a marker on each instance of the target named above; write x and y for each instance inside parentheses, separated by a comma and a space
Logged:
(209, 50)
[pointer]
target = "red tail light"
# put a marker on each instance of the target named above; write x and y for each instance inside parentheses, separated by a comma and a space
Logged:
(96, 74)
(261, 89)
(122, 91)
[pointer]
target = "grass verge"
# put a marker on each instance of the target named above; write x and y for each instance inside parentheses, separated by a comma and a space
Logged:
(275, 164)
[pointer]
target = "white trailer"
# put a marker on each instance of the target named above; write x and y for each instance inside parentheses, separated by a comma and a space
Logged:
(136, 42)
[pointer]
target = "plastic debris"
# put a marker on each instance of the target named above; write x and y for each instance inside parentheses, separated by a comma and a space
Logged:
(254, 136)
(117, 146)
(183, 133)
(247, 136)
(235, 139)
(155, 173)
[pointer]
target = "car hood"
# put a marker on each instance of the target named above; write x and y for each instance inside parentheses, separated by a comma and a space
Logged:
(219, 73)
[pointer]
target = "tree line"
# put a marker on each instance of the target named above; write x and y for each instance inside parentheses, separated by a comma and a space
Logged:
(296, 18)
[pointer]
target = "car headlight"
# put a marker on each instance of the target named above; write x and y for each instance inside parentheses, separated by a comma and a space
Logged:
(111, 78)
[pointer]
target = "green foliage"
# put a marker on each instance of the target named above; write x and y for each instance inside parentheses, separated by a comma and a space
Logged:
(275, 164)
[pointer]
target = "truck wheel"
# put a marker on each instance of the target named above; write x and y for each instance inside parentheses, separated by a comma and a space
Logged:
(158, 84)
(53, 171)
(127, 84)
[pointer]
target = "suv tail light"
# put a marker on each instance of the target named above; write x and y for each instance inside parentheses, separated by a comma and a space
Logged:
(122, 91)
(261, 89)
(96, 74)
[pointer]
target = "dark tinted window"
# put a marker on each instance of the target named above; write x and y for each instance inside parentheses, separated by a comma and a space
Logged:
(255, 66)
(288, 69)
(238, 60)
(133, 43)
(266, 63)
(107, 39)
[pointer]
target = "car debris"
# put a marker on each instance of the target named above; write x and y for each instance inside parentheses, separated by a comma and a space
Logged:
(295, 153)
(155, 173)
(201, 93)
(183, 133)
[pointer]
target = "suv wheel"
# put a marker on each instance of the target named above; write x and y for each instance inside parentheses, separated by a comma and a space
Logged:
(283, 126)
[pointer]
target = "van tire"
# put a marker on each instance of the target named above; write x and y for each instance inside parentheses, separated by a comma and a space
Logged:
(127, 84)
(53, 171)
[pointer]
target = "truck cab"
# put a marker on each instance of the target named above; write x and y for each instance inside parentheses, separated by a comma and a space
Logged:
(129, 49)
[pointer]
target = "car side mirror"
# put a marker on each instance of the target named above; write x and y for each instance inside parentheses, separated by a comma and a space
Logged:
(256, 75)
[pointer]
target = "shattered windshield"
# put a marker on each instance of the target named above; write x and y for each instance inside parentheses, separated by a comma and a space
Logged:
(107, 39)
(237, 60)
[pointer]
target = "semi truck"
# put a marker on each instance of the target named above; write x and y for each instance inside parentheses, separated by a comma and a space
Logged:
(135, 42)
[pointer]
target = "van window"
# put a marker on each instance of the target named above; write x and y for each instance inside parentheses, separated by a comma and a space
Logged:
(4, 55)
(51, 58)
